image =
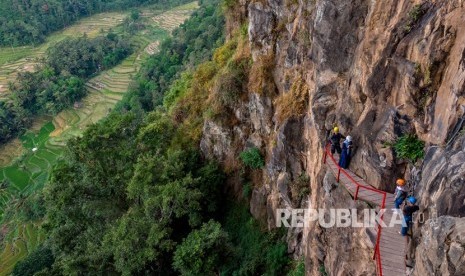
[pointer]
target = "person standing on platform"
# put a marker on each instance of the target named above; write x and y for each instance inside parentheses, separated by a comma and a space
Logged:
(335, 140)
(400, 193)
(346, 153)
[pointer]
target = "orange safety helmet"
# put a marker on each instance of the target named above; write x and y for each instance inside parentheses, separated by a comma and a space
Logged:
(400, 182)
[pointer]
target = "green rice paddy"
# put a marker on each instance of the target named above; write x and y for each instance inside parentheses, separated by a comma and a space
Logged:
(18, 59)
(25, 164)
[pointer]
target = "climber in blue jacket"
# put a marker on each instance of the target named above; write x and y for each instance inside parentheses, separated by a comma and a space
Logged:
(345, 153)
(408, 211)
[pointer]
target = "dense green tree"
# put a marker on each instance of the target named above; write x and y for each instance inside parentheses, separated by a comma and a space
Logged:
(135, 14)
(83, 57)
(203, 251)
(137, 242)
(86, 194)
(123, 179)
(39, 259)
(13, 120)
(255, 252)
(46, 91)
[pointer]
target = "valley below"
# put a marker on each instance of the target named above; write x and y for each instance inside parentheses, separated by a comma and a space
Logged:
(25, 162)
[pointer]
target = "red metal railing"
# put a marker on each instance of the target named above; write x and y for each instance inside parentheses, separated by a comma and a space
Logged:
(382, 204)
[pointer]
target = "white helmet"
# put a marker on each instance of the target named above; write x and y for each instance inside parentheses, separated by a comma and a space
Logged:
(349, 138)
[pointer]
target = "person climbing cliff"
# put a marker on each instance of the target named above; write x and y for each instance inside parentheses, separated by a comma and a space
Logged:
(408, 211)
(345, 153)
(335, 140)
(400, 193)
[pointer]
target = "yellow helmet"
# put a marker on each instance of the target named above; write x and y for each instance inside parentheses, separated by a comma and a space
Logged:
(400, 182)
(336, 130)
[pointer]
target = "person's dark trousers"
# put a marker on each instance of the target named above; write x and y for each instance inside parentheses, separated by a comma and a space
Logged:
(399, 202)
(335, 148)
(408, 222)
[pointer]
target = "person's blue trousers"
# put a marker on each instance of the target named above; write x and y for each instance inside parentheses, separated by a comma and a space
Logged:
(407, 221)
(398, 202)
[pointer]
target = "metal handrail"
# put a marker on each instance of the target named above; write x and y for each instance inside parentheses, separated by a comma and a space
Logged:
(377, 254)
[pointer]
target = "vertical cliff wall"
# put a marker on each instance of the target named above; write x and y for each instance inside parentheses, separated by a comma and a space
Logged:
(378, 70)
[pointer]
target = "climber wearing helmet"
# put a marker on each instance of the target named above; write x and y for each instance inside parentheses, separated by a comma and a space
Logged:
(335, 140)
(400, 193)
(345, 153)
(408, 211)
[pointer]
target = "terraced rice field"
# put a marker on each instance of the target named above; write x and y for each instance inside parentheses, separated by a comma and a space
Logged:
(25, 239)
(41, 148)
(170, 20)
(9, 71)
(25, 175)
(104, 91)
(19, 59)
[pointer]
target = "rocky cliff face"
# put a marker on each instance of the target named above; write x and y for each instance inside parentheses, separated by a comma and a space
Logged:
(378, 70)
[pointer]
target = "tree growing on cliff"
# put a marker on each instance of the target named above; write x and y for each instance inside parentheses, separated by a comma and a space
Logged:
(41, 258)
(203, 251)
(252, 158)
(409, 147)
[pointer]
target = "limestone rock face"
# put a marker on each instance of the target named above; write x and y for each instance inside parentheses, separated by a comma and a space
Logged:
(378, 70)
(216, 141)
(439, 243)
(441, 189)
(441, 249)
(345, 250)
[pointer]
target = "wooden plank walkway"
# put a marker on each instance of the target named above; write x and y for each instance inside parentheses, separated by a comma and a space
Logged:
(390, 258)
